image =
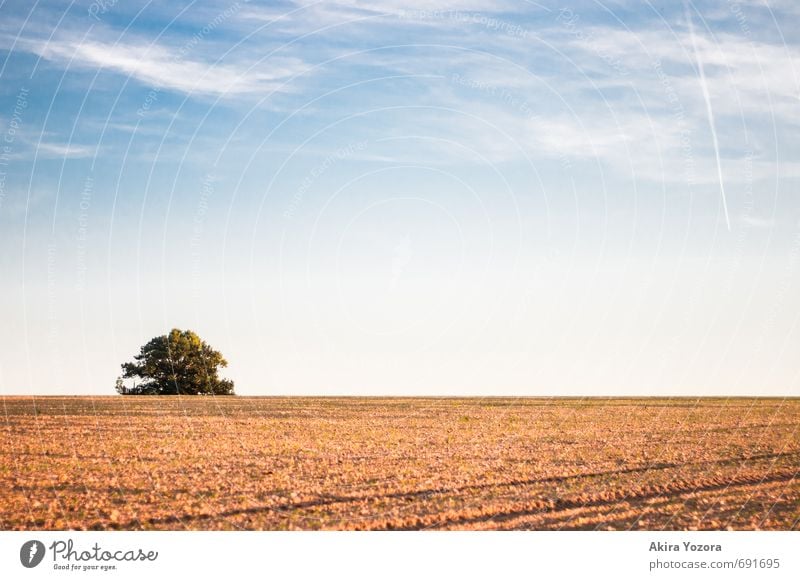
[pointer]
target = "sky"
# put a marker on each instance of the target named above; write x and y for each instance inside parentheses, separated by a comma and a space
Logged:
(404, 198)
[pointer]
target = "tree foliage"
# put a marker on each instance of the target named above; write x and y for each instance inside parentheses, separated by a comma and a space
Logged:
(178, 363)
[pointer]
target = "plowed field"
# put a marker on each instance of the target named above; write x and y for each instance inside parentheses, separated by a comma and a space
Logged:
(395, 463)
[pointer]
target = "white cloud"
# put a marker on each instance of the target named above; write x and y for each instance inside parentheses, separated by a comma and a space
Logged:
(583, 111)
(68, 150)
(162, 67)
(383, 18)
(745, 72)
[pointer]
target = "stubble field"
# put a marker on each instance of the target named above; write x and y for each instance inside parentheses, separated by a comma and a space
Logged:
(395, 463)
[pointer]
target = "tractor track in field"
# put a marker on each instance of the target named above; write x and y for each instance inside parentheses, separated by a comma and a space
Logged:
(548, 507)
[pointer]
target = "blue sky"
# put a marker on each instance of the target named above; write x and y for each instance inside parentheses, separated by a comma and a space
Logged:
(402, 197)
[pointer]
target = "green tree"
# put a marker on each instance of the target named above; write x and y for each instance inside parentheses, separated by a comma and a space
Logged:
(178, 363)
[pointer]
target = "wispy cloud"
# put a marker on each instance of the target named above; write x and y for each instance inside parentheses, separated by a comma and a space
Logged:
(744, 71)
(162, 67)
(60, 150)
(384, 19)
(577, 106)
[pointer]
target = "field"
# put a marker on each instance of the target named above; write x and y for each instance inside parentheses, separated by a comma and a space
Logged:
(394, 463)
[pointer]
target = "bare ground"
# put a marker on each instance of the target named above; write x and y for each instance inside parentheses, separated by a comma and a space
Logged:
(394, 463)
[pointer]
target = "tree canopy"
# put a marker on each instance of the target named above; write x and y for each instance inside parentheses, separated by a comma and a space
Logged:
(178, 363)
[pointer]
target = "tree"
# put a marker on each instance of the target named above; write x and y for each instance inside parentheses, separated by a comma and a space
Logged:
(178, 363)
